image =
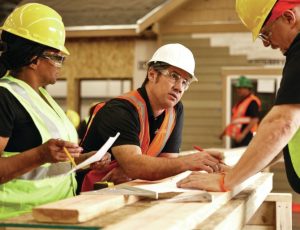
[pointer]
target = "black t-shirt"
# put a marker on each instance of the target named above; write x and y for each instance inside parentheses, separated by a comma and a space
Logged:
(16, 123)
(289, 93)
(119, 115)
(252, 111)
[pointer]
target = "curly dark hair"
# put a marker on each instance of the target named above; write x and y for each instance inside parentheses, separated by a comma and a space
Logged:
(17, 52)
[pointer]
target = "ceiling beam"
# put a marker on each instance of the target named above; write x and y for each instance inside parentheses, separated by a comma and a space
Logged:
(158, 13)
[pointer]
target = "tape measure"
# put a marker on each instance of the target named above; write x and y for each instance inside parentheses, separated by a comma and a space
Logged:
(103, 184)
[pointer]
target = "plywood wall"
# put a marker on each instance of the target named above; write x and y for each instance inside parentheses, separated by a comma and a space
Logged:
(96, 58)
(99, 58)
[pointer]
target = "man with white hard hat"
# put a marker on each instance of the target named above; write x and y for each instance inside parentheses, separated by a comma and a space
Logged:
(150, 120)
(277, 24)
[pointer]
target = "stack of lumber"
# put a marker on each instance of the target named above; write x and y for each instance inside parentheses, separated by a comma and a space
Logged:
(249, 206)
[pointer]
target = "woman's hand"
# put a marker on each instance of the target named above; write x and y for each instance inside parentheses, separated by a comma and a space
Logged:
(52, 151)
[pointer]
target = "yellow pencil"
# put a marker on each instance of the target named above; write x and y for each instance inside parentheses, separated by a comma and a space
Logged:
(70, 157)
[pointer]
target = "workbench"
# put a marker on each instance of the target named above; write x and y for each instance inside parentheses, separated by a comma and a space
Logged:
(248, 206)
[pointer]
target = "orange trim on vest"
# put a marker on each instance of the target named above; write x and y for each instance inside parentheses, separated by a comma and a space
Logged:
(162, 135)
(96, 109)
(238, 116)
(156, 146)
(164, 132)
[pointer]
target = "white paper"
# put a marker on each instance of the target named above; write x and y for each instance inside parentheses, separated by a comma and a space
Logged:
(98, 155)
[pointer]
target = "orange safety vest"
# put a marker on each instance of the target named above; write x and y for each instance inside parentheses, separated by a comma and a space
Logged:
(151, 149)
(238, 117)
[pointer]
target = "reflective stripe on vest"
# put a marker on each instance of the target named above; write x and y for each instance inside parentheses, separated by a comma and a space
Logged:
(238, 116)
(42, 185)
(162, 134)
(294, 150)
(50, 121)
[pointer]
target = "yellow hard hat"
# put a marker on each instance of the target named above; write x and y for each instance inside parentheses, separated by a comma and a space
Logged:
(38, 23)
(253, 13)
(73, 117)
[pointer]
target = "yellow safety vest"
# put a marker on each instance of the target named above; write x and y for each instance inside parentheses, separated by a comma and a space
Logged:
(46, 183)
(294, 151)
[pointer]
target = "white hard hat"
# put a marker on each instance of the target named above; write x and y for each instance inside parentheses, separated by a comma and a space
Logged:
(176, 55)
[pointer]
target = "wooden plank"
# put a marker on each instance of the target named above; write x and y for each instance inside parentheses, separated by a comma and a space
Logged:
(100, 31)
(88, 205)
(284, 215)
(238, 211)
(158, 215)
(188, 215)
(80, 208)
(275, 213)
(264, 216)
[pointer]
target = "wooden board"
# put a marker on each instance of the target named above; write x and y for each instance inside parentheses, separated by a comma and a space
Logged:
(131, 212)
(188, 215)
(240, 209)
(90, 204)
(85, 207)
(80, 208)
(147, 214)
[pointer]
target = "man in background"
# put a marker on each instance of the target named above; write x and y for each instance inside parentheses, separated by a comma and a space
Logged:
(245, 114)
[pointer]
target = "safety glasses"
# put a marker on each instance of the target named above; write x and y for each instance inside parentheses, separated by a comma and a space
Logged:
(55, 59)
(175, 78)
(266, 33)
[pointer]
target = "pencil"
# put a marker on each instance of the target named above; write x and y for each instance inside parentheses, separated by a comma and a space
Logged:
(198, 148)
(70, 157)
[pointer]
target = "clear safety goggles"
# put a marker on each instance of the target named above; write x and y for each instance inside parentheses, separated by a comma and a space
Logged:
(175, 78)
(266, 34)
(55, 59)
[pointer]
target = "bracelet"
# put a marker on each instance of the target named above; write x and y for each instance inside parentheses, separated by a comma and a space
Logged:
(222, 186)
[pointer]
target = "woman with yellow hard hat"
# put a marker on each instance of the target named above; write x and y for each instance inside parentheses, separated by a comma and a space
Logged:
(277, 23)
(34, 130)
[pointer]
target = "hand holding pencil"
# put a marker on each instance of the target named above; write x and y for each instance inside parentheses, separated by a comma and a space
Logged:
(58, 150)
(220, 166)
(70, 157)
(217, 154)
